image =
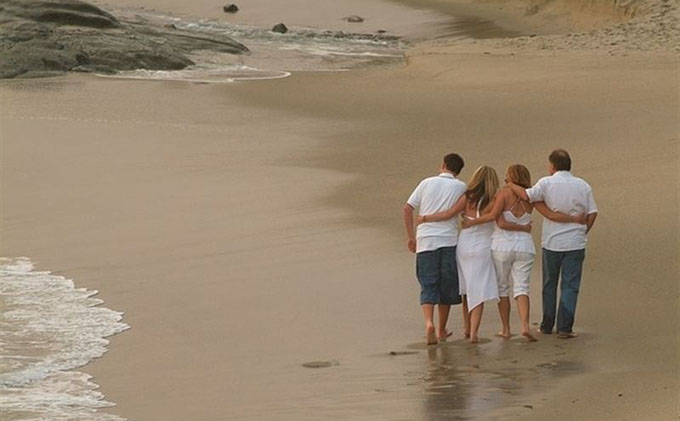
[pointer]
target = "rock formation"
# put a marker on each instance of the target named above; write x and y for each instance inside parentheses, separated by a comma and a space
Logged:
(47, 37)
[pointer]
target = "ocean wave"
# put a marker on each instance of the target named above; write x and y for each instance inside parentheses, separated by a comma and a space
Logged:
(48, 327)
(204, 74)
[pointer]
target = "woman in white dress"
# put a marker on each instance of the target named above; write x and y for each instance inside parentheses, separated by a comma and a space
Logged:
(476, 273)
(512, 246)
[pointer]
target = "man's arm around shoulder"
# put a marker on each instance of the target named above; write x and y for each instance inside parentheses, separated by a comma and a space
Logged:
(590, 221)
(592, 208)
(519, 191)
(410, 229)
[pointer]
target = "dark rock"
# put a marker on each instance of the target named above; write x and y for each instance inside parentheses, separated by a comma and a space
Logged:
(381, 31)
(60, 63)
(230, 8)
(67, 17)
(354, 19)
(60, 12)
(41, 37)
(280, 28)
(82, 58)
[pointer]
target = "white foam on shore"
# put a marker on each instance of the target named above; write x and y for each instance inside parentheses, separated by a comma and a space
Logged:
(197, 74)
(48, 327)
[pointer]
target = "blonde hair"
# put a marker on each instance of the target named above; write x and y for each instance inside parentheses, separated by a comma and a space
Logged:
(482, 187)
(519, 174)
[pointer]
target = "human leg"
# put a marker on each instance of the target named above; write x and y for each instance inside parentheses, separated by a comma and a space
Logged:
(572, 269)
(504, 312)
(503, 264)
(448, 288)
(466, 318)
(475, 321)
(524, 310)
(427, 270)
(521, 277)
(443, 311)
(552, 261)
(428, 313)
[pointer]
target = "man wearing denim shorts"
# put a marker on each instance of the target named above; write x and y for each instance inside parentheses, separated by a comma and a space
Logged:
(435, 244)
(563, 243)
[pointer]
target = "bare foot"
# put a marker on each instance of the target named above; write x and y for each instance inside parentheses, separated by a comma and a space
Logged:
(445, 334)
(466, 335)
(504, 335)
(474, 339)
(429, 334)
(566, 335)
(529, 336)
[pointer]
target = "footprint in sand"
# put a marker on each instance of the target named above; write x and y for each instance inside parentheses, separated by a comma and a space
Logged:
(547, 365)
(398, 353)
(320, 364)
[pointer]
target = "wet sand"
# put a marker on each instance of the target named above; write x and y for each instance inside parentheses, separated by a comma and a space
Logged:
(246, 229)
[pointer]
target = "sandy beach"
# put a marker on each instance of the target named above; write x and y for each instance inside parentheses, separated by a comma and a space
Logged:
(248, 228)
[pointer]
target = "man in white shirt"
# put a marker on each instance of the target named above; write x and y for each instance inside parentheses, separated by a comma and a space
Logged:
(563, 243)
(435, 244)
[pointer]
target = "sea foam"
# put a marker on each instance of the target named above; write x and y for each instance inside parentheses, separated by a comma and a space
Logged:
(49, 327)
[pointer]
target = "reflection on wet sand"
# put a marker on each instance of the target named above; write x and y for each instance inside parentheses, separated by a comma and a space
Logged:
(462, 381)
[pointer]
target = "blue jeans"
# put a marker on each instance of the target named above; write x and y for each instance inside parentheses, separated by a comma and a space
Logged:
(438, 276)
(570, 265)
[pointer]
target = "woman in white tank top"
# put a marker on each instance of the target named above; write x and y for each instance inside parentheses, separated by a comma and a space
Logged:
(512, 246)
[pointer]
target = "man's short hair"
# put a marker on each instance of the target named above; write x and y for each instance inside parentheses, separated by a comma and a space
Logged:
(454, 163)
(560, 160)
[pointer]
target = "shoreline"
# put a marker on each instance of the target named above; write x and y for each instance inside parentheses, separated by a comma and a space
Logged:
(175, 176)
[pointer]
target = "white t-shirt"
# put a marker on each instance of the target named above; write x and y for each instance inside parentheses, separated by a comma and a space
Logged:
(562, 192)
(436, 194)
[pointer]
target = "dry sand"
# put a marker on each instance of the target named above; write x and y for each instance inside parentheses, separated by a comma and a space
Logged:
(248, 228)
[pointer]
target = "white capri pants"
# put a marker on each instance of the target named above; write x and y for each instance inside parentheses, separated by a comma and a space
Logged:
(513, 268)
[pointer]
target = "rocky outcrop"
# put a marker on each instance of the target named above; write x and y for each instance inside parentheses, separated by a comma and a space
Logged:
(611, 25)
(581, 14)
(230, 8)
(280, 28)
(353, 19)
(75, 13)
(44, 37)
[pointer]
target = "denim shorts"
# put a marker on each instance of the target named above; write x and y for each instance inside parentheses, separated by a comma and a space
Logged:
(438, 276)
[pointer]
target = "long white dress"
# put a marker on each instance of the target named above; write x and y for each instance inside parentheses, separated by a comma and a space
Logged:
(476, 273)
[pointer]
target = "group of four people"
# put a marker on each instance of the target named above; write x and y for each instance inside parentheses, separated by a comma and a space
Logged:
(494, 252)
